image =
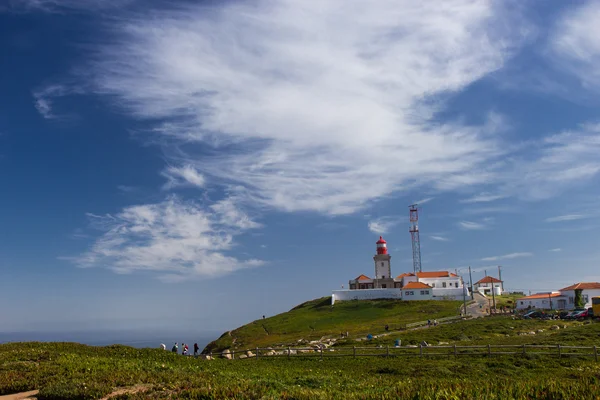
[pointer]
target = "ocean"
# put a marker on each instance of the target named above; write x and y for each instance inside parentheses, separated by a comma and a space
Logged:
(136, 338)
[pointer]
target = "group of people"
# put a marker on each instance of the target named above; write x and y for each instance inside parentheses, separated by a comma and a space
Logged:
(430, 323)
(184, 348)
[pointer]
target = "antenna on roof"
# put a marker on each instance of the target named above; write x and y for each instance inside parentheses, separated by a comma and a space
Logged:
(414, 235)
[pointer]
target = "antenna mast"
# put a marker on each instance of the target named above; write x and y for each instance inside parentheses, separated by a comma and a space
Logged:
(414, 235)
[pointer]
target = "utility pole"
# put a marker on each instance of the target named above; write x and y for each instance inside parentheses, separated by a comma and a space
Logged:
(493, 291)
(471, 284)
(464, 297)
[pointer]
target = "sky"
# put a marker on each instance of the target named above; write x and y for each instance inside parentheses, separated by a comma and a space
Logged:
(199, 164)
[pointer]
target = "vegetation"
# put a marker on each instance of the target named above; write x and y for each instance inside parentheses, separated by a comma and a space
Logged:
(317, 318)
(73, 371)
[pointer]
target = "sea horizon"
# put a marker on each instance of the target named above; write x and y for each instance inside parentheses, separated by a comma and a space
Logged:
(132, 338)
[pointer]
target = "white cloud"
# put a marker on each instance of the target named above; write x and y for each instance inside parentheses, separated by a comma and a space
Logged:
(575, 43)
(569, 217)
(384, 224)
(507, 256)
(315, 106)
(183, 176)
(470, 225)
(556, 249)
(439, 238)
(174, 239)
(483, 197)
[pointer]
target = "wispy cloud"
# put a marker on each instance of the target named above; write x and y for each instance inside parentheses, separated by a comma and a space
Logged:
(569, 217)
(173, 239)
(470, 225)
(556, 249)
(575, 43)
(186, 175)
(439, 238)
(333, 122)
(384, 224)
(507, 256)
(425, 200)
(44, 99)
(483, 198)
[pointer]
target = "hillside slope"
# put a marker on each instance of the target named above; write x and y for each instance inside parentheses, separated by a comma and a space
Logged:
(317, 318)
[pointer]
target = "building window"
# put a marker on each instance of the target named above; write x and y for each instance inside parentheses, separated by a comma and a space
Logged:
(427, 292)
(383, 286)
(443, 284)
(585, 298)
(382, 263)
(433, 285)
(382, 276)
(571, 300)
(407, 293)
(456, 283)
(422, 292)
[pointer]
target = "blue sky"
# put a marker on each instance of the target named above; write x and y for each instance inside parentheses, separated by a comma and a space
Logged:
(200, 164)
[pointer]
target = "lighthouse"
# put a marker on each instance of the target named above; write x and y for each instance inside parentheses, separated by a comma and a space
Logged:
(383, 269)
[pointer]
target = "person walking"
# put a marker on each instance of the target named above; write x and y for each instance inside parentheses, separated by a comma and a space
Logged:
(196, 348)
(174, 349)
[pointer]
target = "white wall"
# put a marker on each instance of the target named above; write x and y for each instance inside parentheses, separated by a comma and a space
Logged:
(543, 303)
(365, 294)
(456, 293)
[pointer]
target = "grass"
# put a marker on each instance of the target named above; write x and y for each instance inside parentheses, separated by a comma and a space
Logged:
(74, 371)
(317, 318)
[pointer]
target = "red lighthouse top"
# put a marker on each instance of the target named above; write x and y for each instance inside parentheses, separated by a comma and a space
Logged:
(381, 246)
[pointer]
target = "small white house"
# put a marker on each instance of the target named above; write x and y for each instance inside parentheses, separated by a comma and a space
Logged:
(545, 301)
(488, 283)
(417, 291)
(589, 290)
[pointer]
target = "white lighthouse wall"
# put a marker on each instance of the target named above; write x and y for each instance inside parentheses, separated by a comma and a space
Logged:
(382, 271)
(365, 294)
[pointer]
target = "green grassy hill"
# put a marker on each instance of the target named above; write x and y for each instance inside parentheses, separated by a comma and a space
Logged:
(317, 318)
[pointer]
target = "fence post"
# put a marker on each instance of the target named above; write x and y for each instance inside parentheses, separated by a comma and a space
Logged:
(559, 351)
(489, 350)
(524, 349)
(455, 354)
(210, 354)
(233, 354)
(289, 352)
(257, 353)
(387, 350)
(596, 353)
(321, 349)
(420, 349)
(354, 351)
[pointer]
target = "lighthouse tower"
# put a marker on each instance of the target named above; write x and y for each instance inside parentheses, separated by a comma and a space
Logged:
(382, 261)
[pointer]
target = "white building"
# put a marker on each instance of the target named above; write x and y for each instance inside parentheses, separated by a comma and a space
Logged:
(485, 285)
(417, 291)
(588, 290)
(547, 301)
(564, 299)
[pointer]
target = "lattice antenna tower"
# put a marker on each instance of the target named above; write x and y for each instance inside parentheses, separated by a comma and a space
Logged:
(414, 235)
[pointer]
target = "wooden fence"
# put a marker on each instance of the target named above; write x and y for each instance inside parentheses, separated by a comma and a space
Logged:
(448, 351)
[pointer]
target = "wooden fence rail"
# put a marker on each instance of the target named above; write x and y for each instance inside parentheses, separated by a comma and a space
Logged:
(488, 350)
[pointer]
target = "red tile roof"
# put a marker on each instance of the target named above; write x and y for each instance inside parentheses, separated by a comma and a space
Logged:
(363, 278)
(540, 296)
(488, 279)
(583, 285)
(405, 274)
(433, 274)
(416, 285)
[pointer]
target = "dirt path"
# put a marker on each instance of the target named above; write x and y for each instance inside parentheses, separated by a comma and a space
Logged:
(20, 396)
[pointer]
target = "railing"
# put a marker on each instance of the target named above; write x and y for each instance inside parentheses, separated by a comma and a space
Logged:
(449, 351)
(440, 320)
